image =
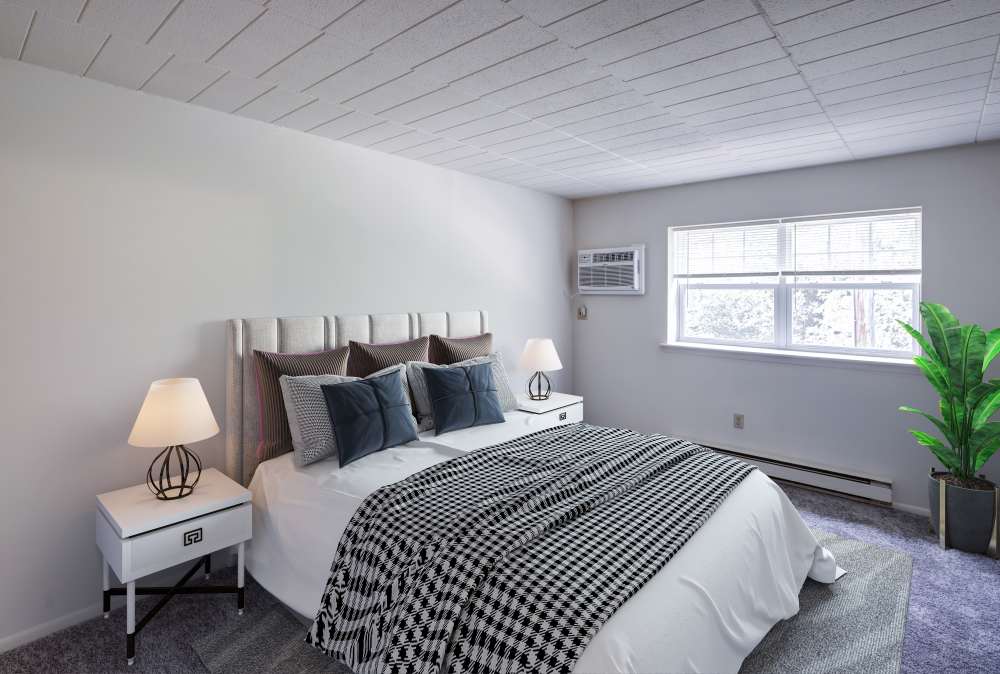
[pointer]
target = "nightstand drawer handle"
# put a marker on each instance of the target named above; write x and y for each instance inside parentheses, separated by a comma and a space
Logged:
(192, 537)
(562, 416)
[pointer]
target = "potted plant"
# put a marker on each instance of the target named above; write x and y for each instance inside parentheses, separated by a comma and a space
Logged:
(963, 506)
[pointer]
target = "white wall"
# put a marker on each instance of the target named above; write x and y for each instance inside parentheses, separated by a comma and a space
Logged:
(132, 226)
(840, 417)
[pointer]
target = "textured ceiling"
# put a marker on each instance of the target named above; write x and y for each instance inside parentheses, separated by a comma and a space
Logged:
(572, 97)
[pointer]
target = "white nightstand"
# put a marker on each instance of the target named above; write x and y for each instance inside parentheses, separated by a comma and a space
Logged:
(559, 408)
(139, 534)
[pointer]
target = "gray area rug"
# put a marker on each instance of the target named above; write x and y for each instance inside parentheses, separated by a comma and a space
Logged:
(854, 625)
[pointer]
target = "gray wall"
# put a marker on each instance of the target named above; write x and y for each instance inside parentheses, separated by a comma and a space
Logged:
(131, 227)
(843, 417)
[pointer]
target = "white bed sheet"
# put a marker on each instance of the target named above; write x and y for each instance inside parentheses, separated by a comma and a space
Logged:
(703, 612)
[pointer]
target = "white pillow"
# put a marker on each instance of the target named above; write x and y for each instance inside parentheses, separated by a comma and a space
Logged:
(308, 417)
(422, 400)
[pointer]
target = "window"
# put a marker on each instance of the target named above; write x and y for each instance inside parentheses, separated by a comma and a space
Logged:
(830, 284)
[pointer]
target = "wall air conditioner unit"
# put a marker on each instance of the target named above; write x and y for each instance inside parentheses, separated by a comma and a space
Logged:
(611, 271)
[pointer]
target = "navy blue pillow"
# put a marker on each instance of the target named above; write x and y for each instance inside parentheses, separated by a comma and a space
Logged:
(369, 415)
(463, 396)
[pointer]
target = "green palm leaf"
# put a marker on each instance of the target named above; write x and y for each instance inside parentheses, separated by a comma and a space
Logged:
(992, 348)
(966, 346)
(938, 319)
(921, 340)
(941, 425)
(985, 442)
(944, 455)
(936, 374)
(986, 405)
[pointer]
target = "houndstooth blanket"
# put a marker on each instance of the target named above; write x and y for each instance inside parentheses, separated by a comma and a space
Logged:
(511, 558)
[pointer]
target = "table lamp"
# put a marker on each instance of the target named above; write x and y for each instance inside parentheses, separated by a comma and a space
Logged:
(174, 412)
(539, 355)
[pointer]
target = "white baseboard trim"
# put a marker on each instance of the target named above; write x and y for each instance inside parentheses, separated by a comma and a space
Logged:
(38, 631)
(914, 510)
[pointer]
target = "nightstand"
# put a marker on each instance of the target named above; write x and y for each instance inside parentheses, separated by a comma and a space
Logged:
(139, 534)
(559, 408)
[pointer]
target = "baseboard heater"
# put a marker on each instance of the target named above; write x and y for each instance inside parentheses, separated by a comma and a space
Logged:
(821, 479)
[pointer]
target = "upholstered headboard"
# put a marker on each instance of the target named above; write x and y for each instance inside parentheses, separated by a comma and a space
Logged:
(305, 334)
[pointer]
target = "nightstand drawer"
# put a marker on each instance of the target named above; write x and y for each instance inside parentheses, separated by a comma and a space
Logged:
(138, 556)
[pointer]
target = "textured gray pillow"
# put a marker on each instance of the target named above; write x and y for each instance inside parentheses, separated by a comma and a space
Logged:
(308, 417)
(422, 400)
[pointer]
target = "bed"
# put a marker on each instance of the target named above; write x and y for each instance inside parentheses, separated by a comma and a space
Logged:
(704, 611)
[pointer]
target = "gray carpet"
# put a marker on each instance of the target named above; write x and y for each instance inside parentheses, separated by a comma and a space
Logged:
(854, 625)
(952, 623)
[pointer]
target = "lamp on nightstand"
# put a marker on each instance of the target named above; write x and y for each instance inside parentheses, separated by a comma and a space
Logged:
(174, 412)
(540, 356)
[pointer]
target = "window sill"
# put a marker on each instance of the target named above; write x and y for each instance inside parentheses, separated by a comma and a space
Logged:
(869, 363)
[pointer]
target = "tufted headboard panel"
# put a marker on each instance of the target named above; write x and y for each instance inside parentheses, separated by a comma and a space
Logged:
(304, 334)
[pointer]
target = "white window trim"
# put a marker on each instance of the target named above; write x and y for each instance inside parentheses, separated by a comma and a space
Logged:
(782, 348)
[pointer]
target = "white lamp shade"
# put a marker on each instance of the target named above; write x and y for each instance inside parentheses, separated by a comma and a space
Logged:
(175, 412)
(540, 355)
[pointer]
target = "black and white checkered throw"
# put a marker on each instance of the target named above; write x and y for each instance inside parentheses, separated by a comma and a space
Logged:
(511, 558)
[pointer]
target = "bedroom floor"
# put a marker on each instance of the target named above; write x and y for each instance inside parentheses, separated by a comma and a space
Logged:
(952, 623)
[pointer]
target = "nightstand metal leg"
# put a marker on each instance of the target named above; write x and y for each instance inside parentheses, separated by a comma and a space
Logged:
(240, 593)
(130, 622)
(208, 567)
(106, 584)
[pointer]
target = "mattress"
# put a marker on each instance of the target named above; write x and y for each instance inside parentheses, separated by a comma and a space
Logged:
(703, 612)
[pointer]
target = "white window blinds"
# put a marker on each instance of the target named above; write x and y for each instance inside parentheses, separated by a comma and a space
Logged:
(851, 244)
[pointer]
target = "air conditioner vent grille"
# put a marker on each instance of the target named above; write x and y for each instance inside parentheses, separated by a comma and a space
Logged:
(611, 271)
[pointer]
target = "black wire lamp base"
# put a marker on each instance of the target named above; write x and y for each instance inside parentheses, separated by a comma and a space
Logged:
(167, 487)
(538, 379)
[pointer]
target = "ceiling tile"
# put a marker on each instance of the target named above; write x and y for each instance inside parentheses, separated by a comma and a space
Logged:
(376, 134)
(731, 81)
(691, 50)
(711, 66)
(544, 12)
(502, 120)
(456, 25)
(231, 92)
(596, 108)
(550, 83)
(766, 117)
(375, 21)
(614, 119)
(136, 21)
(350, 123)
(843, 17)
(365, 75)
(912, 141)
(64, 10)
(912, 94)
(531, 64)
(737, 96)
(431, 148)
(469, 162)
(14, 22)
(907, 46)
(274, 104)
(199, 28)
(126, 63)
(513, 133)
(451, 155)
(655, 136)
(611, 16)
(263, 44)
(182, 79)
(538, 140)
(921, 77)
(780, 11)
(429, 104)
(788, 125)
(558, 148)
(468, 113)
(971, 95)
(316, 13)
(316, 61)
(934, 119)
(792, 98)
(61, 45)
(677, 25)
(576, 95)
(496, 46)
(312, 115)
(910, 23)
(405, 141)
(985, 47)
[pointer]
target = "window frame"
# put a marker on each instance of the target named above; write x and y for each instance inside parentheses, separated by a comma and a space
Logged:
(783, 289)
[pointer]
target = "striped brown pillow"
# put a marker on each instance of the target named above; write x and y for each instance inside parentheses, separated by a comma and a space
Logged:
(368, 358)
(275, 436)
(446, 350)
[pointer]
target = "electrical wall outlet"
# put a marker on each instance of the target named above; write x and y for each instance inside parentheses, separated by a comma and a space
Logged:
(738, 421)
(581, 312)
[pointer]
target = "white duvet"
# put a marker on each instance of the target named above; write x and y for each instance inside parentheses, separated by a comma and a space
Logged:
(703, 612)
